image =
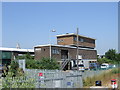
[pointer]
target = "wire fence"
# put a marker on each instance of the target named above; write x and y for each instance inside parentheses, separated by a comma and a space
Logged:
(60, 79)
(56, 78)
(36, 78)
(92, 73)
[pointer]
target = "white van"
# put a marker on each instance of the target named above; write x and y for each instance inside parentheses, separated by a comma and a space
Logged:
(81, 67)
(104, 66)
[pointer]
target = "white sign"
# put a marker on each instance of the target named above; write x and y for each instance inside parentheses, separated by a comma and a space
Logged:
(22, 64)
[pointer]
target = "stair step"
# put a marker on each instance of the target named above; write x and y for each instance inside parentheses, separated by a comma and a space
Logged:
(64, 63)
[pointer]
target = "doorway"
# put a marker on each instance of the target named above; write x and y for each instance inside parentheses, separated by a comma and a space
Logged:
(64, 54)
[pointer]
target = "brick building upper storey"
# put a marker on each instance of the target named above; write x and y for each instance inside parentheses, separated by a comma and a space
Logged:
(71, 39)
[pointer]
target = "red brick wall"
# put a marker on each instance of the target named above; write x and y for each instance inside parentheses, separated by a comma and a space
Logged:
(86, 54)
(68, 40)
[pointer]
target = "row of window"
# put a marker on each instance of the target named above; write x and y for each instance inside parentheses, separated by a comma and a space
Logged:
(84, 40)
(60, 40)
(75, 39)
(55, 51)
(79, 39)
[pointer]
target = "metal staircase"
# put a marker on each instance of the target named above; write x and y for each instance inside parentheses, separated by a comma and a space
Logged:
(64, 63)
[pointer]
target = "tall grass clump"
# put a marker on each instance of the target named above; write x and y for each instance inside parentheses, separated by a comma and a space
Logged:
(103, 77)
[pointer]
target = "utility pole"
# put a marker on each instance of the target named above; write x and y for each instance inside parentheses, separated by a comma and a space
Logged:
(77, 49)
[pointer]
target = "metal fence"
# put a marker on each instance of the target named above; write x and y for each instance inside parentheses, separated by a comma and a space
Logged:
(92, 73)
(35, 78)
(55, 78)
(60, 79)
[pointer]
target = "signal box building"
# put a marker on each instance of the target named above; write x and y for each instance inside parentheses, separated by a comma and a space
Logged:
(65, 52)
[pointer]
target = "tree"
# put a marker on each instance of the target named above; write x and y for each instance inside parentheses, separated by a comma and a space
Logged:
(118, 57)
(111, 54)
(31, 64)
(25, 56)
(104, 60)
(110, 57)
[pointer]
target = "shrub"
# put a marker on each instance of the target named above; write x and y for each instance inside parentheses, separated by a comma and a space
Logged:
(47, 63)
(14, 66)
(16, 78)
(18, 82)
(44, 63)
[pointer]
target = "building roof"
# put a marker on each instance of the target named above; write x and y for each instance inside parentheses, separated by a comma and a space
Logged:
(15, 49)
(64, 46)
(73, 34)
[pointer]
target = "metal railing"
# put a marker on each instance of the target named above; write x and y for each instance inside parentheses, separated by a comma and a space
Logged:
(64, 63)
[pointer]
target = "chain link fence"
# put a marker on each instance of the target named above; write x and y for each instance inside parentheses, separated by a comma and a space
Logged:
(55, 78)
(92, 73)
(60, 79)
(35, 78)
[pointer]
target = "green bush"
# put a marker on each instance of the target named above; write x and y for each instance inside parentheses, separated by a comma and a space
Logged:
(18, 82)
(15, 78)
(31, 64)
(44, 63)
(12, 69)
(47, 63)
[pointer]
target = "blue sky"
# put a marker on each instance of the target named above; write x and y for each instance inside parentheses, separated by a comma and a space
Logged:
(29, 24)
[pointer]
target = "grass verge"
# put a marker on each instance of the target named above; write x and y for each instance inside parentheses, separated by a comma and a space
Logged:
(105, 78)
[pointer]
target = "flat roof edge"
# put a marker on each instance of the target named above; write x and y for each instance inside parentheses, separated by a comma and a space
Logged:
(15, 49)
(62, 35)
(64, 46)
